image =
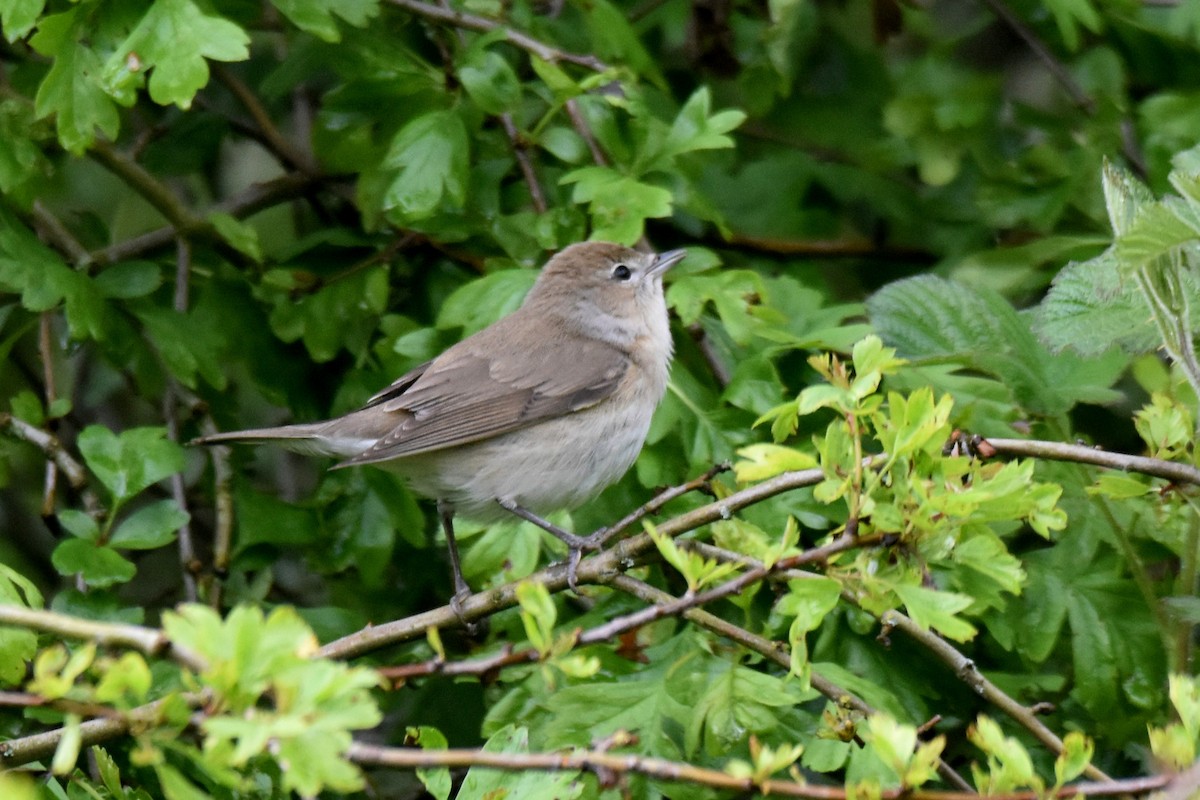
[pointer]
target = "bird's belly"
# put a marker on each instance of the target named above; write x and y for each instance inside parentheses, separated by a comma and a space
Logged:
(553, 465)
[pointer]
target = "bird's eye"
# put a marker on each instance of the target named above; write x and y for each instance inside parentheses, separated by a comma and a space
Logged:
(622, 272)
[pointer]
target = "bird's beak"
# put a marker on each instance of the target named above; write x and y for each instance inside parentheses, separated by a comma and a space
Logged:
(666, 260)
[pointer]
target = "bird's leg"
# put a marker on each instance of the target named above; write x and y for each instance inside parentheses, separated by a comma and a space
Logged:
(461, 590)
(575, 544)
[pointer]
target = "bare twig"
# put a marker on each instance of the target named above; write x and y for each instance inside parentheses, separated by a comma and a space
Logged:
(581, 126)
(593, 569)
(49, 444)
(40, 746)
(187, 550)
(54, 232)
(472, 22)
(521, 153)
(603, 762)
(273, 137)
(149, 641)
(252, 200)
(1059, 451)
(966, 671)
(148, 186)
(46, 354)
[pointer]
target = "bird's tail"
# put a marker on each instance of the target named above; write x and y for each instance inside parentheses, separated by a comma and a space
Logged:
(308, 439)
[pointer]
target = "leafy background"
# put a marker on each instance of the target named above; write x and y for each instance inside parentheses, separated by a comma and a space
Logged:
(227, 214)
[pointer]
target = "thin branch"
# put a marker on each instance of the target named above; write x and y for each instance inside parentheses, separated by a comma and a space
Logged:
(775, 651)
(273, 137)
(254, 199)
(148, 186)
(521, 153)
(46, 354)
(49, 444)
(594, 569)
(55, 233)
(40, 746)
(472, 22)
(1056, 68)
(581, 126)
(188, 562)
(149, 641)
(966, 671)
(1059, 451)
(607, 765)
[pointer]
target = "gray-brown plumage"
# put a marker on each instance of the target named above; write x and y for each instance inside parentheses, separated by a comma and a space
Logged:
(537, 412)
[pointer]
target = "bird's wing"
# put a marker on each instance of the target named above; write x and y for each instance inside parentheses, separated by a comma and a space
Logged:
(464, 395)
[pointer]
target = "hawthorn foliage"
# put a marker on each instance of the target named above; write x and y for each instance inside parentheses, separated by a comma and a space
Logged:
(901, 221)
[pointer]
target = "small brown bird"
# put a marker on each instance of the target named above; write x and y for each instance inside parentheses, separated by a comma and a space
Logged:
(538, 412)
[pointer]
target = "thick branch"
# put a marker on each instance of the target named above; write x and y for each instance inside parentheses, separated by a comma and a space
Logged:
(1059, 451)
(605, 763)
(594, 569)
(149, 641)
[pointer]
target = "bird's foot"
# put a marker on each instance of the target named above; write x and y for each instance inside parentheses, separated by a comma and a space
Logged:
(473, 629)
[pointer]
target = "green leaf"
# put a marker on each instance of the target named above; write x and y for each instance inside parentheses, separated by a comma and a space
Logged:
(426, 166)
(191, 344)
(1092, 306)
(129, 279)
(79, 524)
(317, 16)
(761, 461)
(72, 90)
(17, 645)
(619, 204)
(242, 236)
(99, 566)
(489, 80)
(538, 615)
(696, 128)
(435, 779)
(150, 526)
(172, 41)
(482, 783)
(808, 602)
(477, 304)
(355, 301)
(17, 17)
(35, 271)
(936, 609)
(928, 317)
(128, 463)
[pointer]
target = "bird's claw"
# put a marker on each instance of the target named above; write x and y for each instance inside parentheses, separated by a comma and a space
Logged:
(472, 629)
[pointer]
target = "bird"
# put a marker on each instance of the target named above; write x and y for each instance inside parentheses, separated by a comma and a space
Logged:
(538, 412)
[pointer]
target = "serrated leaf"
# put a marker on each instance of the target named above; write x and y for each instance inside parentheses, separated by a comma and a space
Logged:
(71, 90)
(426, 165)
(1091, 307)
(619, 204)
(172, 41)
(928, 317)
(475, 305)
(761, 461)
(937, 609)
(487, 784)
(490, 81)
(317, 16)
